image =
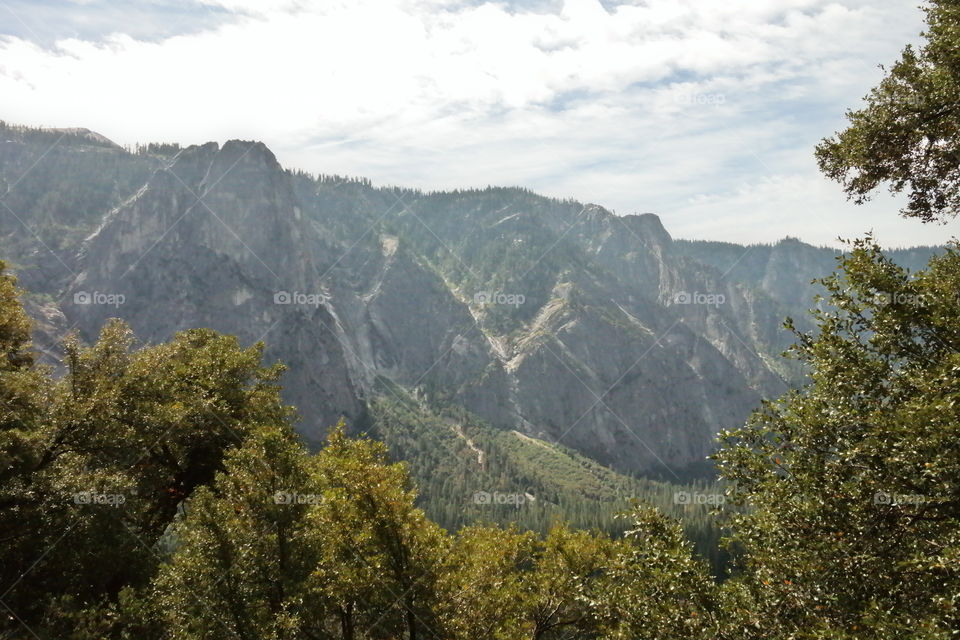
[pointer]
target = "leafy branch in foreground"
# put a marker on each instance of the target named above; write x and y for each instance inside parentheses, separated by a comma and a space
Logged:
(907, 134)
(853, 482)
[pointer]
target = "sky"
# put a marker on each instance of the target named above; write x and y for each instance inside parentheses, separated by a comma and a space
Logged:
(705, 112)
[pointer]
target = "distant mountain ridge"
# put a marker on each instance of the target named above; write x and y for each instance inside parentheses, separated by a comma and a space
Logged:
(784, 270)
(555, 319)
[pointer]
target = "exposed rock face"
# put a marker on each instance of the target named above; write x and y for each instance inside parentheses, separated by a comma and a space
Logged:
(218, 240)
(556, 319)
(785, 272)
(621, 350)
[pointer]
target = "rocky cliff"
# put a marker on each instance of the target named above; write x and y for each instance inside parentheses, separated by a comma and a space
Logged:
(556, 319)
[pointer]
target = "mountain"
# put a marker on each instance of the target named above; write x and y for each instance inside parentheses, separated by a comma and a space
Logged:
(785, 271)
(558, 322)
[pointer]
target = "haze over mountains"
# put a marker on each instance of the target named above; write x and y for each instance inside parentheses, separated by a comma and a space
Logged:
(554, 321)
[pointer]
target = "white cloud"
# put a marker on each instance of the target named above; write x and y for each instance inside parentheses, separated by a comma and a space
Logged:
(691, 108)
(800, 205)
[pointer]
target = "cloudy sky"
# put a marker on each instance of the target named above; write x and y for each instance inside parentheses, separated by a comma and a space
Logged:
(702, 111)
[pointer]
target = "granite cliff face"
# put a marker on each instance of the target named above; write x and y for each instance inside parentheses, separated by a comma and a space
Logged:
(553, 318)
(785, 271)
(165, 259)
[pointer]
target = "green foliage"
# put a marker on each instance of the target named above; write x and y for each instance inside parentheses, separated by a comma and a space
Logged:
(853, 481)
(482, 584)
(561, 593)
(20, 389)
(907, 133)
(160, 493)
(656, 588)
(456, 461)
(284, 545)
(98, 461)
(377, 544)
(243, 563)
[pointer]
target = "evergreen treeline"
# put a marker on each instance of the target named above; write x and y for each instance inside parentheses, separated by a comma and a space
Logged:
(456, 461)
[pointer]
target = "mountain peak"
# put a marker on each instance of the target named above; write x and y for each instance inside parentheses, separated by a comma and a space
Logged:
(254, 150)
(648, 225)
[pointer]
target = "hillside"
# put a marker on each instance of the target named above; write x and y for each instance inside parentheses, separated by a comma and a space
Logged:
(557, 320)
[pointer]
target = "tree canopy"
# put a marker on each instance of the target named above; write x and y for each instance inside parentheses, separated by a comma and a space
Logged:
(908, 134)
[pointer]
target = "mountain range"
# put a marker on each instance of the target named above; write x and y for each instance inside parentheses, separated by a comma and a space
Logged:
(555, 324)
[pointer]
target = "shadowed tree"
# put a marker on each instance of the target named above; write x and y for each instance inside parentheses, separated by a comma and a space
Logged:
(242, 566)
(96, 463)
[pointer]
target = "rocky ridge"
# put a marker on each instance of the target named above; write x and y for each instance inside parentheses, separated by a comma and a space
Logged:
(557, 319)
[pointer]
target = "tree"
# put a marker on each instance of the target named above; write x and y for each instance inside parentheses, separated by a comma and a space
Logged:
(21, 386)
(97, 463)
(853, 482)
(482, 583)
(561, 592)
(243, 563)
(656, 587)
(287, 545)
(908, 134)
(380, 555)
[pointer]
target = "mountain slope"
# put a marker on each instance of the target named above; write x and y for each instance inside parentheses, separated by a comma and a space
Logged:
(553, 319)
